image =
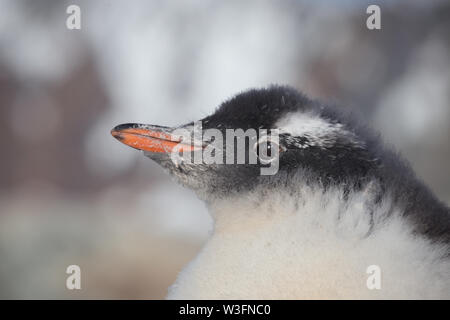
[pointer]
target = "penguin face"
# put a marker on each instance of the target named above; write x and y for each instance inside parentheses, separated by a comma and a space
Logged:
(310, 138)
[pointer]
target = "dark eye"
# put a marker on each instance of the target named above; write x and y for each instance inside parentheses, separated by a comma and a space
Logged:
(267, 149)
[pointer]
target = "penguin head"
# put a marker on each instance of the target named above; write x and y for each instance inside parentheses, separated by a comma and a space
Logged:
(259, 138)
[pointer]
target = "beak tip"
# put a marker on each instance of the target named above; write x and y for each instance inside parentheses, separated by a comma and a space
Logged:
(115, 132)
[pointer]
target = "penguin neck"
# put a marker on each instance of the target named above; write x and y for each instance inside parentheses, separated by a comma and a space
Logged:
(245, 215)
(351, 215)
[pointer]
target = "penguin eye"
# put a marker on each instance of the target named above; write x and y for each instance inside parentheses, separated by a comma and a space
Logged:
(267, 150)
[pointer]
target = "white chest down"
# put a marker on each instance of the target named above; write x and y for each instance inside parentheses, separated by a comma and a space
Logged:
(322, 249)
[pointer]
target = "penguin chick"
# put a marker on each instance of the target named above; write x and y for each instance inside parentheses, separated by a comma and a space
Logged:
(339, 205)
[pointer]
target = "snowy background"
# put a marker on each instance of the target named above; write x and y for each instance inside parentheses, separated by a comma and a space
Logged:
(71, 194)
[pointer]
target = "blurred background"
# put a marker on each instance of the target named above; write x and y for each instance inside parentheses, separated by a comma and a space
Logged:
(71, 194)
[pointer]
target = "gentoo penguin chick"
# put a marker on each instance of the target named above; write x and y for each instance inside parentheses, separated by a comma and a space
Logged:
(343, 217)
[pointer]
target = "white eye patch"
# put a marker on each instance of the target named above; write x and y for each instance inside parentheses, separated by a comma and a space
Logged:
(318, 131)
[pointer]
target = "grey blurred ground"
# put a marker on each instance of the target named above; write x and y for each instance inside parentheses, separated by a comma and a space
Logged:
(70, 194)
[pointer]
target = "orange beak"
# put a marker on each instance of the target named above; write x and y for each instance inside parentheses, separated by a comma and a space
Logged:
(150, 138)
